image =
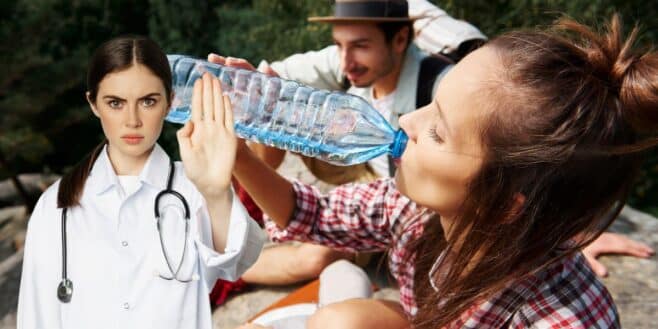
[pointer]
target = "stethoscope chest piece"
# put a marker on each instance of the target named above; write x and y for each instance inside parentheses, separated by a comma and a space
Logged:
(65, 290)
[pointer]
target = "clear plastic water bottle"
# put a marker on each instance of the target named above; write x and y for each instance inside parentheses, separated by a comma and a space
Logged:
(336, 127)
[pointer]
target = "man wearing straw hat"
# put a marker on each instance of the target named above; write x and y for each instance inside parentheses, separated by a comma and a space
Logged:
(374, 57)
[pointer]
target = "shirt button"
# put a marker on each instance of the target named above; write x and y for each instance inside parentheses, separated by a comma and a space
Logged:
(124, 243)
(126, 306)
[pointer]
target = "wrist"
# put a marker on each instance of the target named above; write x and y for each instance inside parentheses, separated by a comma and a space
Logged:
(215, 194)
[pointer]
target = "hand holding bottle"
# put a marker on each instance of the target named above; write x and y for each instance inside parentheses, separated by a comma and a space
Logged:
(240, 63)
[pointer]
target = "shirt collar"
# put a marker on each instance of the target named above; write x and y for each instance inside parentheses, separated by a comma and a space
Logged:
(156, 169)
(154, 173)
(405, 100)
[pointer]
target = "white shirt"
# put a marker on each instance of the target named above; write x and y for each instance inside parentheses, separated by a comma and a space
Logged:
(114, 254)
(383, 105)
(437, 32)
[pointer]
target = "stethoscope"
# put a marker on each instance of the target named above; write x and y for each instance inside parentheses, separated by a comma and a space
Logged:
(65, 288)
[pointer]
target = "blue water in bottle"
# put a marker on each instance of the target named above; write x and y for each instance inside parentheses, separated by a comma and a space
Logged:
(336, 127)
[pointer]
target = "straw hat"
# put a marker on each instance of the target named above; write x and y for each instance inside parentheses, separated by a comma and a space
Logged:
(368, 11)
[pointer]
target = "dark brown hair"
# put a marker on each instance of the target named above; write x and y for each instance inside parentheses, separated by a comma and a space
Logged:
(390, 29)
(112, 56)
(573, 112)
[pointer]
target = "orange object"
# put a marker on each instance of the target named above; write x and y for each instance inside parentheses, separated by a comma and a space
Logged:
(305, 294)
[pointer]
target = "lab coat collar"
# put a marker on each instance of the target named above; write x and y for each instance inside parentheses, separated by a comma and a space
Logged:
(154, 173)
(156, 169)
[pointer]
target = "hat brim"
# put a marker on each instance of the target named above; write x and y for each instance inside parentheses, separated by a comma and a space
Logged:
(334, 19)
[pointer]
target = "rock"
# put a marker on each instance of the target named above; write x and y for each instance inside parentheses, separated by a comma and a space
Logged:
(633, 282)
(34, 184)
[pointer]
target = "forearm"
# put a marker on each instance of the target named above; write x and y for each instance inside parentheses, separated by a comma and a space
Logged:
(219, 209)
(272, 193)
(272, 156)
(318, 69)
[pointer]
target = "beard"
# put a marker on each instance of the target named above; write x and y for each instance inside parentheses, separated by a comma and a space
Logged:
(371, 73)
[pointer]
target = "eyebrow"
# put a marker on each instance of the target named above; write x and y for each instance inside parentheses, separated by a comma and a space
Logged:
(121, 99)
(442, 116)
(356, 41)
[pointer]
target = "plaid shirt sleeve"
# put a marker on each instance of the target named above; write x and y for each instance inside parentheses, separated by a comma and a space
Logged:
(354, 217)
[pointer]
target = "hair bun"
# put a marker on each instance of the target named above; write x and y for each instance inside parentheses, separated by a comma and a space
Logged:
(631, 74)
(639, 93)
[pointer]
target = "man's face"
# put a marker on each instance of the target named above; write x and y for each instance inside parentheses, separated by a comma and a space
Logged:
(365, 56)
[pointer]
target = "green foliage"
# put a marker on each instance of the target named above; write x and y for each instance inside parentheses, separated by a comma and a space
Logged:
(46, 44)
(494, 17)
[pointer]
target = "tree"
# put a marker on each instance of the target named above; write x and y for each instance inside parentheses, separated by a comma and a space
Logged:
(46, 44)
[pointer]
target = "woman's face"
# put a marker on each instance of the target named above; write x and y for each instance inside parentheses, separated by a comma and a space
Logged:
(444, 150)
(131, 105)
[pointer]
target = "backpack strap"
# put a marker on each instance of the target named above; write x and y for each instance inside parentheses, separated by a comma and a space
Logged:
(430, 68)
(345, 84)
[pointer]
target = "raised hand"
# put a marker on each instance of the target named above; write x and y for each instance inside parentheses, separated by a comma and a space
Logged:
(207, 142)
(272, 156)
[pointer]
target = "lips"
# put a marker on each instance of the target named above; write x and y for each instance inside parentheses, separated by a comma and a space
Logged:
(132, 139)
(355, 74)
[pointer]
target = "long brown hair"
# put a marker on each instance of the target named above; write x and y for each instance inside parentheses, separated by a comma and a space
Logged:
(112, 56)
(574, 110)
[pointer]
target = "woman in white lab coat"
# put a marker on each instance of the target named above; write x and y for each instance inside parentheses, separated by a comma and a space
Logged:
(101, 251)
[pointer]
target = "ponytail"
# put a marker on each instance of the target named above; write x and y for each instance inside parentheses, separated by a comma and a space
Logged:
(71, 185)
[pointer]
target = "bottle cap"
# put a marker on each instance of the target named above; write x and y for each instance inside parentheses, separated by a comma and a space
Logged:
(399, 143)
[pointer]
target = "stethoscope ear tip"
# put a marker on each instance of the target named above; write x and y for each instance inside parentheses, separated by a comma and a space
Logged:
(65, 291)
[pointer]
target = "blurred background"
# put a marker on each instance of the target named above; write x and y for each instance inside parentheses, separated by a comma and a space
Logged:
(45, 123)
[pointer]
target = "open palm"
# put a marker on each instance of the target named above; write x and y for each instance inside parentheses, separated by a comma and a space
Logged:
(207, 142)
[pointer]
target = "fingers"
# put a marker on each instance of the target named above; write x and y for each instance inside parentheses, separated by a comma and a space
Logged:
(231, 61)
(598, 267)
(239, 63)
(217, 59)
(631, 247)
(613, 243)
(266, 69)
(208, 99)
(197, 95)
(228, 119)
(183, 136)
(218, 101)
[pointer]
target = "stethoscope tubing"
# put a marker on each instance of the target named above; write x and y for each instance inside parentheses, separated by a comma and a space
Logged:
(65, 287)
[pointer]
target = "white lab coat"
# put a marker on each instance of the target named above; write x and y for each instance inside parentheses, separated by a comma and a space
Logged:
(114, 254)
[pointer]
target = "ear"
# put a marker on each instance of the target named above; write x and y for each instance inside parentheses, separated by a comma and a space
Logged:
(92, 104)
(400, 40)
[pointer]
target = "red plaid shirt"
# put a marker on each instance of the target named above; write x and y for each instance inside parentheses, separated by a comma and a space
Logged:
(376, 217)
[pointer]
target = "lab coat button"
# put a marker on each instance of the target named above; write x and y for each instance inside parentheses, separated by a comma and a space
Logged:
(124, 243)
(126, 306)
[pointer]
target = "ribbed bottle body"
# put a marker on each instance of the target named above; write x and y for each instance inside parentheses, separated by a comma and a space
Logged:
(337, 127)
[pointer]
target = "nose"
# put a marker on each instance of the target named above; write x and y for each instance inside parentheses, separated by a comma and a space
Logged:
(346, 60)
(133, 119)
(409, 124)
